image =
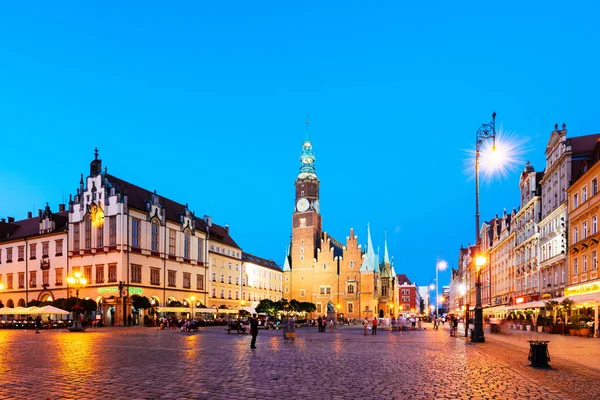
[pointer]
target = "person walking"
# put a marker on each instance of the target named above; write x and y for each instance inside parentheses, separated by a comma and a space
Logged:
(38, 324)
(319, 323)
(374, 331)
(253, 330)
(366, 325)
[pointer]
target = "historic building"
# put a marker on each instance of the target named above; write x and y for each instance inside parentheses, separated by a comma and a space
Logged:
(409, 297)
(128, 241)
(502, 261)
(322, 270)
(526, 277)
(261, 279)
(563, 164)
(33, 257)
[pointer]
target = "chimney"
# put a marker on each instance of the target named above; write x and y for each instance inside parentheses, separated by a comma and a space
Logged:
(11, 219)
(29, 215)
(226, 228)
(208, 220)
(40, 213)
(61, 207)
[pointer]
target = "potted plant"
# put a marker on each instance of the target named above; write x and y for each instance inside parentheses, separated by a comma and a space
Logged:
(574, 330)
(540, 323)
(521, 318)
(584, 328)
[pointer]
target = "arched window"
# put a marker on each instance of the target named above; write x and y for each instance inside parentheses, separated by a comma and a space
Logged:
(186, 244)
(350, 289)
(351, 264)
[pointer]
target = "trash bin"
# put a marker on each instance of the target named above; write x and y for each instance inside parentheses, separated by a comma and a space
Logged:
(538, 353)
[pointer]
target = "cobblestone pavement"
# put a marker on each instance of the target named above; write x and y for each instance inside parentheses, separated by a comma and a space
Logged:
(143, 363)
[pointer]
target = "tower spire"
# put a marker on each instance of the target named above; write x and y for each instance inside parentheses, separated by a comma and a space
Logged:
(386, 257)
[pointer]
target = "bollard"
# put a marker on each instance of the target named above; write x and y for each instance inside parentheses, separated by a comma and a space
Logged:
(538, 353)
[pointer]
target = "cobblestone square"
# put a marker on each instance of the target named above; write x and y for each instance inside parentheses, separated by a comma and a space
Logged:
(145, 363)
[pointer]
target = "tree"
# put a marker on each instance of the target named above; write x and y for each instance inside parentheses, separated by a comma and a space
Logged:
(294, 305)
(567, 305)
(265, 306)
(141, 302)
(307, 307)
(1, 304)
(550, 305)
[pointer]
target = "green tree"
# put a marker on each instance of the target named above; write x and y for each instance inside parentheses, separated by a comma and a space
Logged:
(307, 307)
(567, 305)
(265, 306)
(141, 302)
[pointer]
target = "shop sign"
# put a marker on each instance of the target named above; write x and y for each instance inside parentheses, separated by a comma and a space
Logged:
(115, 289)
(587, 288)
(519, 300)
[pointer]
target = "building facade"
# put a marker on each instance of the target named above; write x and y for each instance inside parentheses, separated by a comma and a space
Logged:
(322, 270)
(33, 257)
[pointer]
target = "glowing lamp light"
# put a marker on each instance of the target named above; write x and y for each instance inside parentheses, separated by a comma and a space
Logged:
(1, 286)
(480, 261)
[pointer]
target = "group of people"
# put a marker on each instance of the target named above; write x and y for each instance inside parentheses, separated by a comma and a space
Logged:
(372, 324)
(325, 325)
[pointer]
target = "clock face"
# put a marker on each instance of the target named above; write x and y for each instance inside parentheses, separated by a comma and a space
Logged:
(307, 160)
(316, 206)
(302, 205)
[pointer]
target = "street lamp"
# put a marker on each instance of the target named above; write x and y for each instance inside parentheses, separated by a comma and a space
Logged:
(77, 281)
(439, 265)
(485, 131)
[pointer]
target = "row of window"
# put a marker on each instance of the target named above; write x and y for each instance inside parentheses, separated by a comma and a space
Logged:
(584, 193)
(584, 264)
(235, 295)
(349, 308)
(99, 237)
(33, 279)
(223, 250)
(58, 247)
(584, 229)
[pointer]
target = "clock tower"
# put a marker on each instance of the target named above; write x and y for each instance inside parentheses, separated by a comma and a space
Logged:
(306, 219)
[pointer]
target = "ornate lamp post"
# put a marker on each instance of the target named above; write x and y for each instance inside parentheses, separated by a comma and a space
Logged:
(485, 131)
(77, 281)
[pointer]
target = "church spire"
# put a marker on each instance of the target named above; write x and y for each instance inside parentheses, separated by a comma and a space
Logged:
(369, 261)
(286, 263)
(386, 257)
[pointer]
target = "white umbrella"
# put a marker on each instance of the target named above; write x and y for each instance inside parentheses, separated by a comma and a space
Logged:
(51, 310)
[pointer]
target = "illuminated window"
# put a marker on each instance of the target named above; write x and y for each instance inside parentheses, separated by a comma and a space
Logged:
(172, 241)
(136, 227)
(88, 232)
(99, 273)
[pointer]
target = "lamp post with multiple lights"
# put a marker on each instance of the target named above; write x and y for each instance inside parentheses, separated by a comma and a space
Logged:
(77, 281)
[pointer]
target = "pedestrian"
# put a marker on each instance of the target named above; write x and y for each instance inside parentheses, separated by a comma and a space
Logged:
(38, 324)
(374, 331)
(419, 323)
(366, 325)
(253, 330)
(320, 323)
(129, 320)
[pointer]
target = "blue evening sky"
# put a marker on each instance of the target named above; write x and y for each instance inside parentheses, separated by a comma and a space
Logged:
(205, 102)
